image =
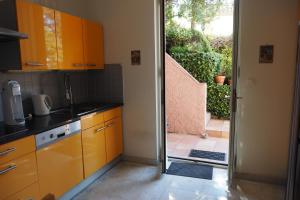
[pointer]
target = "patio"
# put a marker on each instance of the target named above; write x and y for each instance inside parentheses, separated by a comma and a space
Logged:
(180, 145)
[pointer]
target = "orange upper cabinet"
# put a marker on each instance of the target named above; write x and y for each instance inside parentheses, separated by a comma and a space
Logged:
(93, 45)
(56, 40)
(39, 51)
(69, 31)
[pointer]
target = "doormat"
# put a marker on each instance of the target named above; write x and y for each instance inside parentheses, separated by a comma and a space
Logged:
(207, 155)
(191, 170)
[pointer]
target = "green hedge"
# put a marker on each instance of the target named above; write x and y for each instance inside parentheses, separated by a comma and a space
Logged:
(201, 65)
(217, 103)
(181, 37)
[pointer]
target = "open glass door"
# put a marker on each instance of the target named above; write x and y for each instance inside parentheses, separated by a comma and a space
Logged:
(163, 142)
(234, 97)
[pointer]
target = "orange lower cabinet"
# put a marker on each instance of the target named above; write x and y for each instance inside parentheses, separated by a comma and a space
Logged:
(113, 138)
(91, 120)
(15, 149)
(94, 152)
(29, 193)
(17, 174)
(60, 166)
(119, 133)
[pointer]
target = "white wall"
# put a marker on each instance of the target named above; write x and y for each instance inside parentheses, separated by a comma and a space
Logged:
(264, 115)
(130, 25)
(74, 7)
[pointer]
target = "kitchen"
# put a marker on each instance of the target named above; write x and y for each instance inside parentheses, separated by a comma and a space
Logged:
(61, 107)
(127, 26)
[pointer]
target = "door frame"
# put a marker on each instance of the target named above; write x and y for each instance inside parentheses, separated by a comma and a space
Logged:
(233, 101)
(293, 150)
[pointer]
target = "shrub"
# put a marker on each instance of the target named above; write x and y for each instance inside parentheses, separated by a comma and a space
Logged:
(226, 61)
(177, 36)
(223, 46)
(201, 65)
(217, 103)
(220, 43)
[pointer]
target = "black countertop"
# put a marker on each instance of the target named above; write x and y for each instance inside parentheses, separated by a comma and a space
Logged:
(57, 118)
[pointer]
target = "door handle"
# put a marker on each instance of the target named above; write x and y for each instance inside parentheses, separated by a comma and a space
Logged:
(9, 168)
(78, 65)
(99, 129)
(34, 64)
(229, 97)
(91, 65)
(4, 153)
(109, 125)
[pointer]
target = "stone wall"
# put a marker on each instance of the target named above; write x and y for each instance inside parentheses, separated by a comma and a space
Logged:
(185, 100)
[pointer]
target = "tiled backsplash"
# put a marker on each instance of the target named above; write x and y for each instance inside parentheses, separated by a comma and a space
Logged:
(87, 86)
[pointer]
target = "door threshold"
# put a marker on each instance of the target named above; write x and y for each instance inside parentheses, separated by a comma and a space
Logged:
(213, 164)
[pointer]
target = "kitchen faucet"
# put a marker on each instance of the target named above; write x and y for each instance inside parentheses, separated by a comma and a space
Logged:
(68, 90)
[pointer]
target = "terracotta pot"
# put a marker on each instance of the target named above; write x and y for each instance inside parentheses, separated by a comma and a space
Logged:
(220, 79)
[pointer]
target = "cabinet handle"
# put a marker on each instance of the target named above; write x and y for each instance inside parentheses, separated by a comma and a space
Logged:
(4, 153)
(100, 129)
(9, 168)
(109, 125)
(91, 65)
(35, 64)
(77, 65)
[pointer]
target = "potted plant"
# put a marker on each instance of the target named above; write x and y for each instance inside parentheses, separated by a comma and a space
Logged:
(220, 78)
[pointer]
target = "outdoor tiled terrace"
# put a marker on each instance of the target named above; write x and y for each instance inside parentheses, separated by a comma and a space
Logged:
(180, 145)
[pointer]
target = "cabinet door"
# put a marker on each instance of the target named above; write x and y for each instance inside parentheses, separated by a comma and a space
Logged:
(69, 33)
(29, 193)
(114, 138)
(17, 174)
(94, 154)
(93, 45)
(39, 51)
(60, 166)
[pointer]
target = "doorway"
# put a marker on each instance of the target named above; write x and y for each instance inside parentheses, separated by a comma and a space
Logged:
(198, 81)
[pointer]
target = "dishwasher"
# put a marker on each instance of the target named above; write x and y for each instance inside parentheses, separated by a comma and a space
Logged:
(59, 159)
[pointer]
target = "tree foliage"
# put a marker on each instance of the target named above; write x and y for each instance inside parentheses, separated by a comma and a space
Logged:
(199, 12)
(169, 12)
(181, 37)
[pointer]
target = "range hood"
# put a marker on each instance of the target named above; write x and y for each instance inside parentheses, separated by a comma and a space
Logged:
(8, 35)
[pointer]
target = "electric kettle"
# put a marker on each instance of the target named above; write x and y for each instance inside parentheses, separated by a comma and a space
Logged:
(42, 104)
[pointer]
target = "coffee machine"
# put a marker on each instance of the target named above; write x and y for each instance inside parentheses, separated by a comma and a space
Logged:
(12, 104)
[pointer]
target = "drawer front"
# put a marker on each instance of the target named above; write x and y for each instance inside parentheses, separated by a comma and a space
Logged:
(17, 174)
(113, 113)
(29, 193)
(60, 166)
(16, 149)
(91, 120)
(94, 152)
